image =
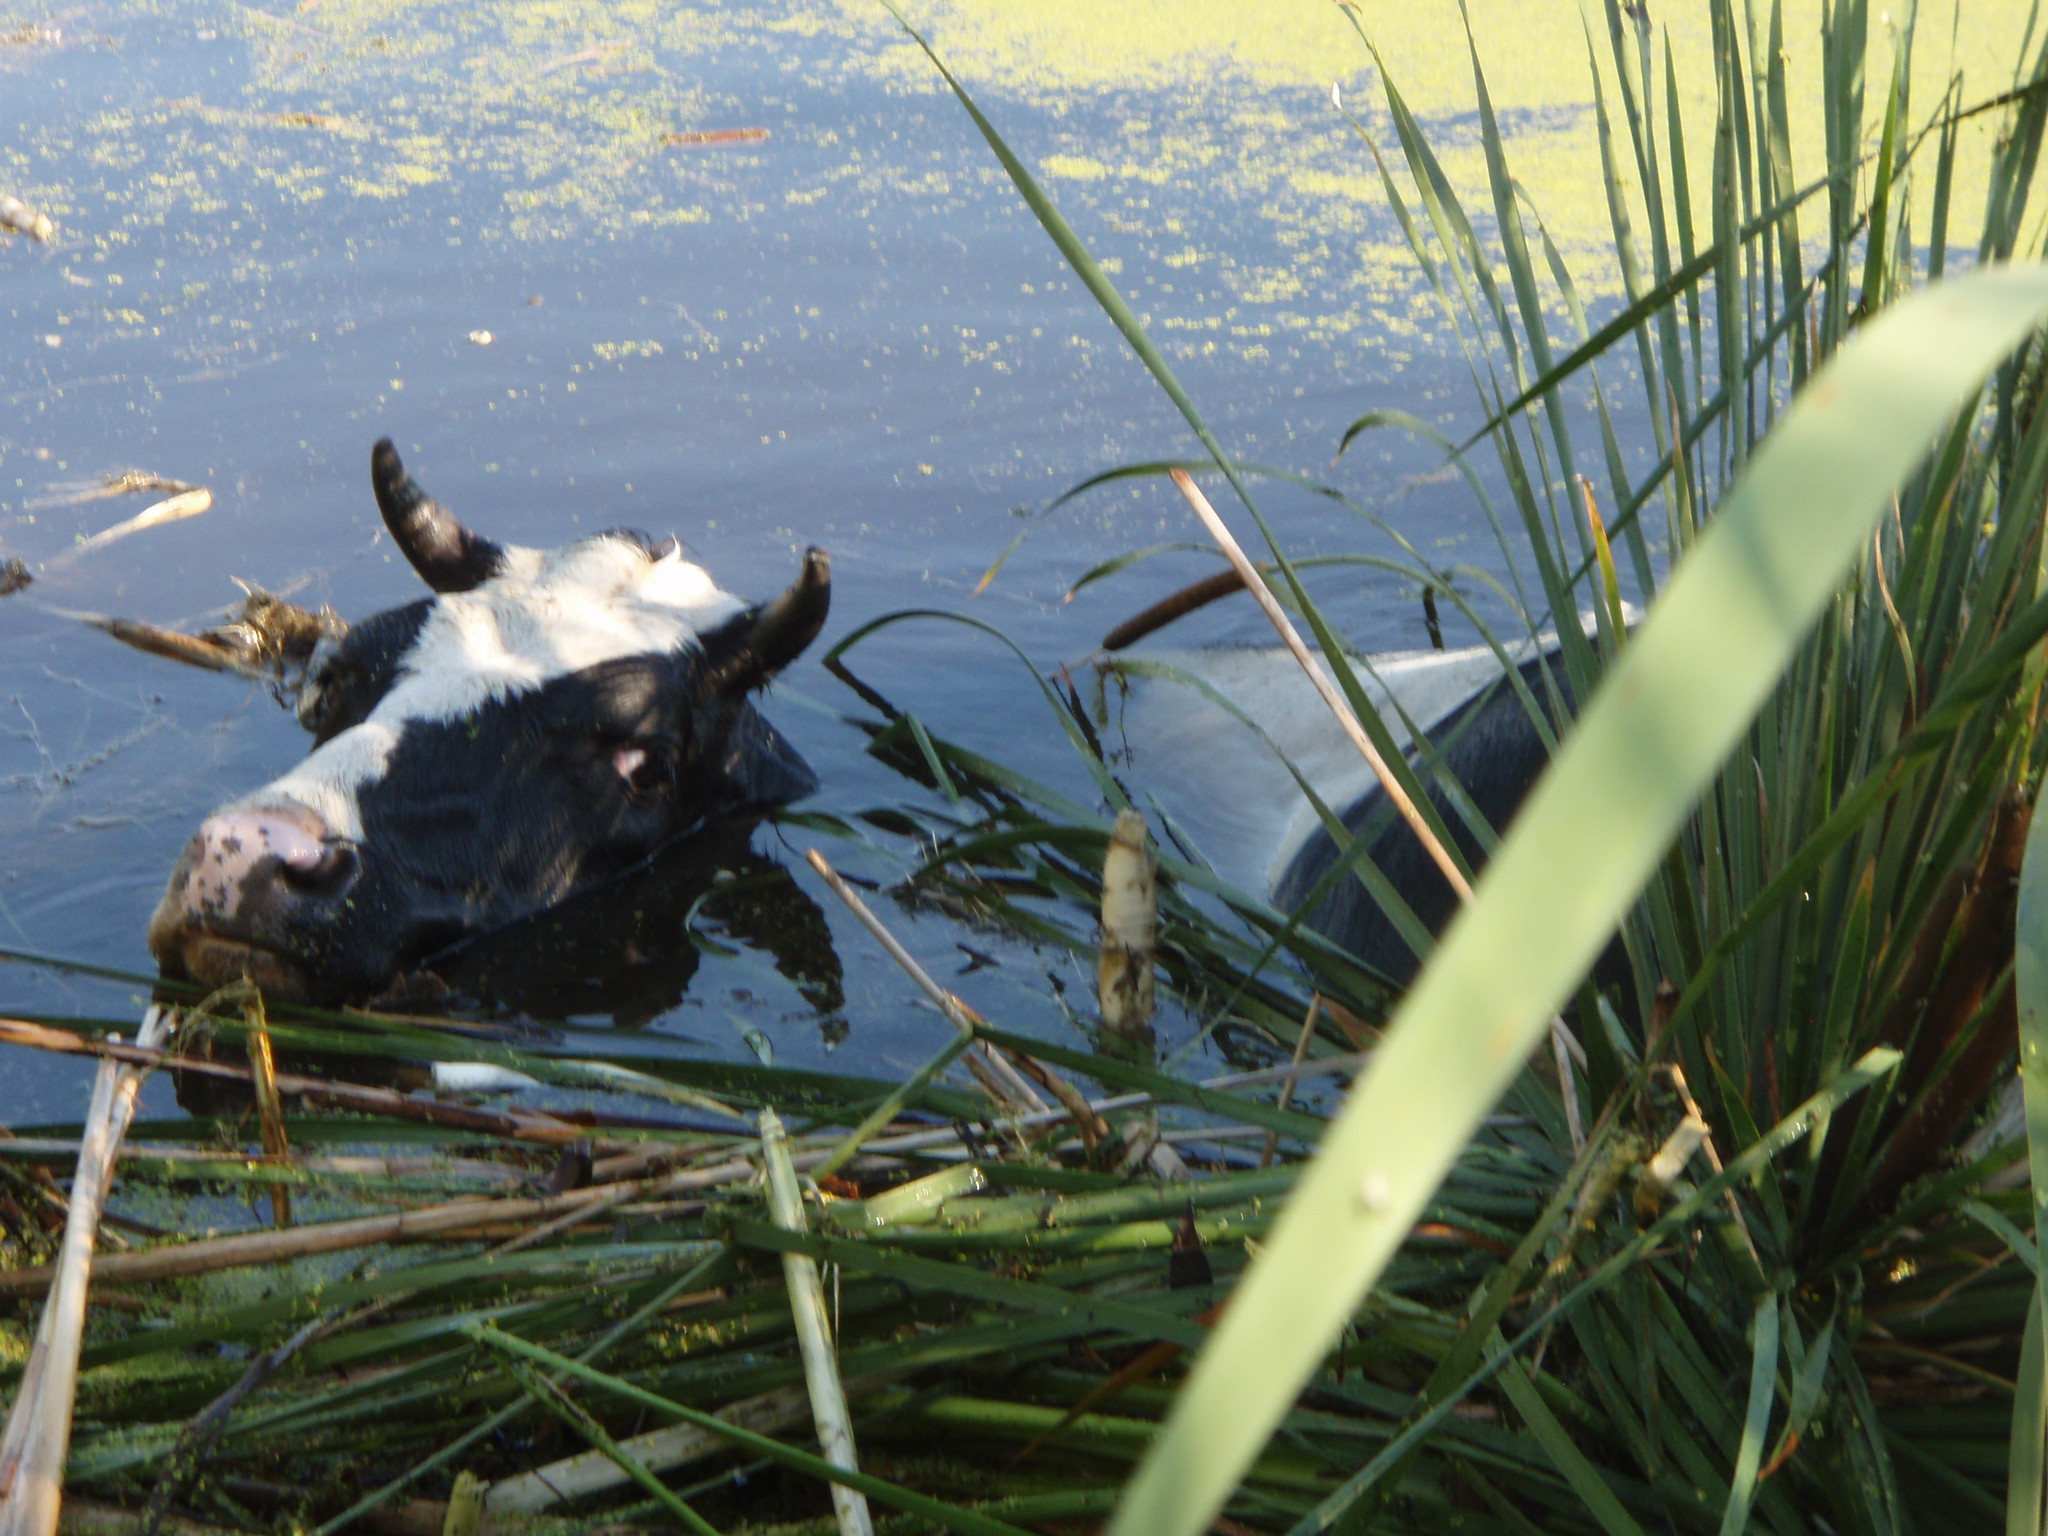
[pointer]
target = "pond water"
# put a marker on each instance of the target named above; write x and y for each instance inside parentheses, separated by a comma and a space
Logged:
(747, 275)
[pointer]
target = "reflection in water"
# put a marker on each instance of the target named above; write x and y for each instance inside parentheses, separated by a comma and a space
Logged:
(625, 951)
(628, 949)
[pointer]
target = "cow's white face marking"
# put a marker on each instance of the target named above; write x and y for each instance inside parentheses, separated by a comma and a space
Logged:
(547, 614)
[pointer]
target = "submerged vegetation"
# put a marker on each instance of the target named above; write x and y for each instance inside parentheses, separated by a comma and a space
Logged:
(1753, 1247)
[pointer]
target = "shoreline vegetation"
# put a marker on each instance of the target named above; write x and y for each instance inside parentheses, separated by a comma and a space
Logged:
(1752, 1245)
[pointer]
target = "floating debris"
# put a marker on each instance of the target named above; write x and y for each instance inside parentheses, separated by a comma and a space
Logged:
(323, 122)
(268, 640)
(13, 576)
(17, 216)
(172, 509)
(710, 136)
(596, 55)
(481, 338)
(126, 482)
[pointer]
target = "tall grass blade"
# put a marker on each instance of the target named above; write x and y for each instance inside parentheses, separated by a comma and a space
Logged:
(2025, 1477)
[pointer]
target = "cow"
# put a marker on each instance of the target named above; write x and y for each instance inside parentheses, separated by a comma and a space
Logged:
(547, 720)
(1481, 719)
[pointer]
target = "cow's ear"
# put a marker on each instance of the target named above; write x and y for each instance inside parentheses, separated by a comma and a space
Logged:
(782, 629)
(446, 554)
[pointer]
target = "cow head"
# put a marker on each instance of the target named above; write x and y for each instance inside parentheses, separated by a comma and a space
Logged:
(547, 720)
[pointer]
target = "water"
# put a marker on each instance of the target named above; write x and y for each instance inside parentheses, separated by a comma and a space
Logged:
(280, 231)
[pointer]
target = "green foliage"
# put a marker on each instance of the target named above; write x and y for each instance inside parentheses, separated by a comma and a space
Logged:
(1802, 797)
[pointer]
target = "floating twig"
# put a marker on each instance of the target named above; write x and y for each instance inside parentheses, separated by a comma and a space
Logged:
(121, 482)
(17, 216)
(595, 55)
(707, 137)
(513, 1126)
(210, 1255)
(172, 509)
(268, 640)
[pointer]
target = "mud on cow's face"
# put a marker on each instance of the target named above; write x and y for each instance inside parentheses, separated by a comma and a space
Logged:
(548, 719)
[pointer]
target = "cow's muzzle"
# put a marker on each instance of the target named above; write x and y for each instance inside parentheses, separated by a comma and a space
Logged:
(251, 897)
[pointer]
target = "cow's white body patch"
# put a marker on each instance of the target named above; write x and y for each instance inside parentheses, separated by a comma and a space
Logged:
(1232, 793)
(547, 614)
(327, 780)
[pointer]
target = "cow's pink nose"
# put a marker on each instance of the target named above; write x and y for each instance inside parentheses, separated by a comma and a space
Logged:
(236, 850)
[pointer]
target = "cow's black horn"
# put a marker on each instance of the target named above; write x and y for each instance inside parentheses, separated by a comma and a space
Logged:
(448, 555)
(784, 627)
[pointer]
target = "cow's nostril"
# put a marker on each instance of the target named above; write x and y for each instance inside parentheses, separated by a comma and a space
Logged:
(320, 871)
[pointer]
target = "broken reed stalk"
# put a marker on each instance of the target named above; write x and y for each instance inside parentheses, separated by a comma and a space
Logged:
(1320, 680)
(1308, 1031)
(369, 1101)
(269, 1106)
(571, 1413)
(212, 1163)
(814, 1330)
(1130, 932)
(372, 1506)
(1006, 1081)
(171, 509)
(1010, 1088)
(211, 1254)
(658, 1450)
(37, 1440)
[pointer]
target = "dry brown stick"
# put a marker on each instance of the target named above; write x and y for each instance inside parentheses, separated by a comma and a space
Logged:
(209, 1159)
(211, 1254)
(1177, 605)
(171, 644)
(1093, 1128)
(958, 1014)
(1308, 1031)
(354, 1096)
(1320, 680)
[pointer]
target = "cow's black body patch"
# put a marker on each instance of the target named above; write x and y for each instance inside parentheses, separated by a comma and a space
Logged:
(506, 810)
(349, 676)
(1494, 750)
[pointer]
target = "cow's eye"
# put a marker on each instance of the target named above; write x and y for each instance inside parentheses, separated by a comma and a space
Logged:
(643, 767)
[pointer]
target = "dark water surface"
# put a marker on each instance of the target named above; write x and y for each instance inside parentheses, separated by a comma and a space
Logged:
(279, 230)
